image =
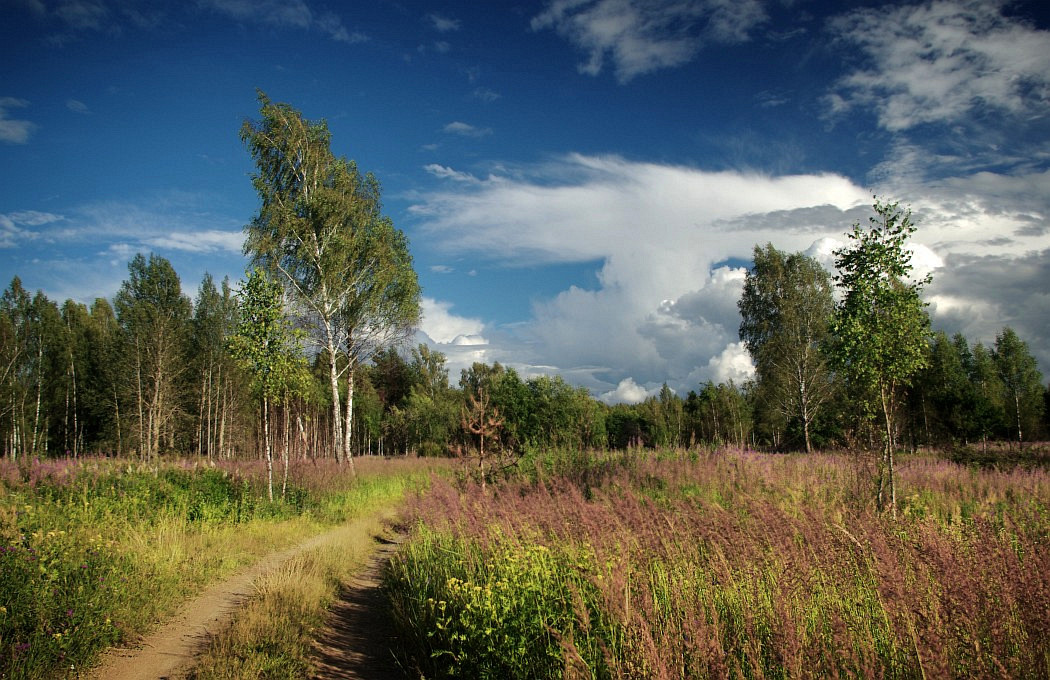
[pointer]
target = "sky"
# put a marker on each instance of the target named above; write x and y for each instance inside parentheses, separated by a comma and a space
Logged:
(582, 182)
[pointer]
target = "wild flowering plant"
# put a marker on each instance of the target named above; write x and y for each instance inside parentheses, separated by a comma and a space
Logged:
(736, 565)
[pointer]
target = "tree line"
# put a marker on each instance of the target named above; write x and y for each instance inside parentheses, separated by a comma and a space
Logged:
(154, 372)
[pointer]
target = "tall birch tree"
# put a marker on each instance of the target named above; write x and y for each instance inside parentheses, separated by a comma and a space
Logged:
(153, 315)
(785, 310)
(881, 328)
(320, 227)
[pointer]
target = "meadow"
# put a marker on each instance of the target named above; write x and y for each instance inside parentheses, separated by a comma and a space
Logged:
(728, 565)
(93, 552)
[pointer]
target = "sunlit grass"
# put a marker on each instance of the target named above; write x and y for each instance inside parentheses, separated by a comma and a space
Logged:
(95, 552)
(734, 565)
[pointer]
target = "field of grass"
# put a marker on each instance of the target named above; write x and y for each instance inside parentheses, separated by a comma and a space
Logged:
(93, 552)
(729, 565)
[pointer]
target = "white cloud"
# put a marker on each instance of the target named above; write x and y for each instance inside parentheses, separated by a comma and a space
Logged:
(77, 106)
(12, 130)
(466, 130)
(734, 363)
(206, 241)
(286, 14)
(664, 306)
(448, 173)
(442, 23)
(628, 392)
(444, 327)
(642, 36)
(442, 269)
(469, 341)
(13, 225)
(938, 61)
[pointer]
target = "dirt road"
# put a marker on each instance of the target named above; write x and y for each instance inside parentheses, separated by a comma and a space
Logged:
(171, 650)
(357, 640)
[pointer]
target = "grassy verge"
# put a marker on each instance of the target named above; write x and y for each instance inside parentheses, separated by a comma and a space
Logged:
(271, 636)
(734, 565)
(95, 552)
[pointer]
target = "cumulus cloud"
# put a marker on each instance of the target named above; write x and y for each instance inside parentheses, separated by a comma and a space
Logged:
(13, 130)
(627, 391)
(641, 36)
(733, 363)
(936, 62)
(459, 338)
(444, 327)
(664, 305)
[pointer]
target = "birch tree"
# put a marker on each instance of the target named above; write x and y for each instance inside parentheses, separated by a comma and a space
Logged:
(153, 315)
(786, 308)
(267, 346)
(881, 326)
(320, 227)
(1022, 380)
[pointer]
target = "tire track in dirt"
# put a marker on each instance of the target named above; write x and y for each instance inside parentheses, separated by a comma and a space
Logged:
(359, 636)
(171, 650)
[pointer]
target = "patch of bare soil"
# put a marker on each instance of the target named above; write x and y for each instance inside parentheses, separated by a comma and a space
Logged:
(359, 637)
(171, 650)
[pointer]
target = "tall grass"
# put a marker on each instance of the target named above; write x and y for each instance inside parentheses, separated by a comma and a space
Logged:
(731, 565)
(272, 635)
(93, 552)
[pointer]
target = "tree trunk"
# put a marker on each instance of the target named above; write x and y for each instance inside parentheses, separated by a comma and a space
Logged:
(348, 430)
(337, 429)
(116, 416)
(266, 447)
(888, 451)
(1017, 412)
(201, 414)
(138, 382)
(287, 443)
(39, 391)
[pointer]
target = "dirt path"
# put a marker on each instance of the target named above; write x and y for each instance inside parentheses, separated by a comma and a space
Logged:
(357, 640)
(171, 650)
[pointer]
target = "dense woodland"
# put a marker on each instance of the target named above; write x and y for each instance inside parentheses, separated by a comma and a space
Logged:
(151, 373)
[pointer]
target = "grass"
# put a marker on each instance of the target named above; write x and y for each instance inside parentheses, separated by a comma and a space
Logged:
(730, 565)
(271, 636)
(94, 552)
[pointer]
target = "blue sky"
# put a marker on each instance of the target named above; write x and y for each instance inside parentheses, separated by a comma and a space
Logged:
(581, 181)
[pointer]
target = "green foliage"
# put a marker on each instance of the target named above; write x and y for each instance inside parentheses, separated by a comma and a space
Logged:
(265, 342)
(881, 327)
(786, 308)
(92, 553)
(1022, 381)
(320, 225)
(153, 315)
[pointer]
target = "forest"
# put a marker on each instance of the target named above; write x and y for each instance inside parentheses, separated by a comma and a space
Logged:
(153, 373)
